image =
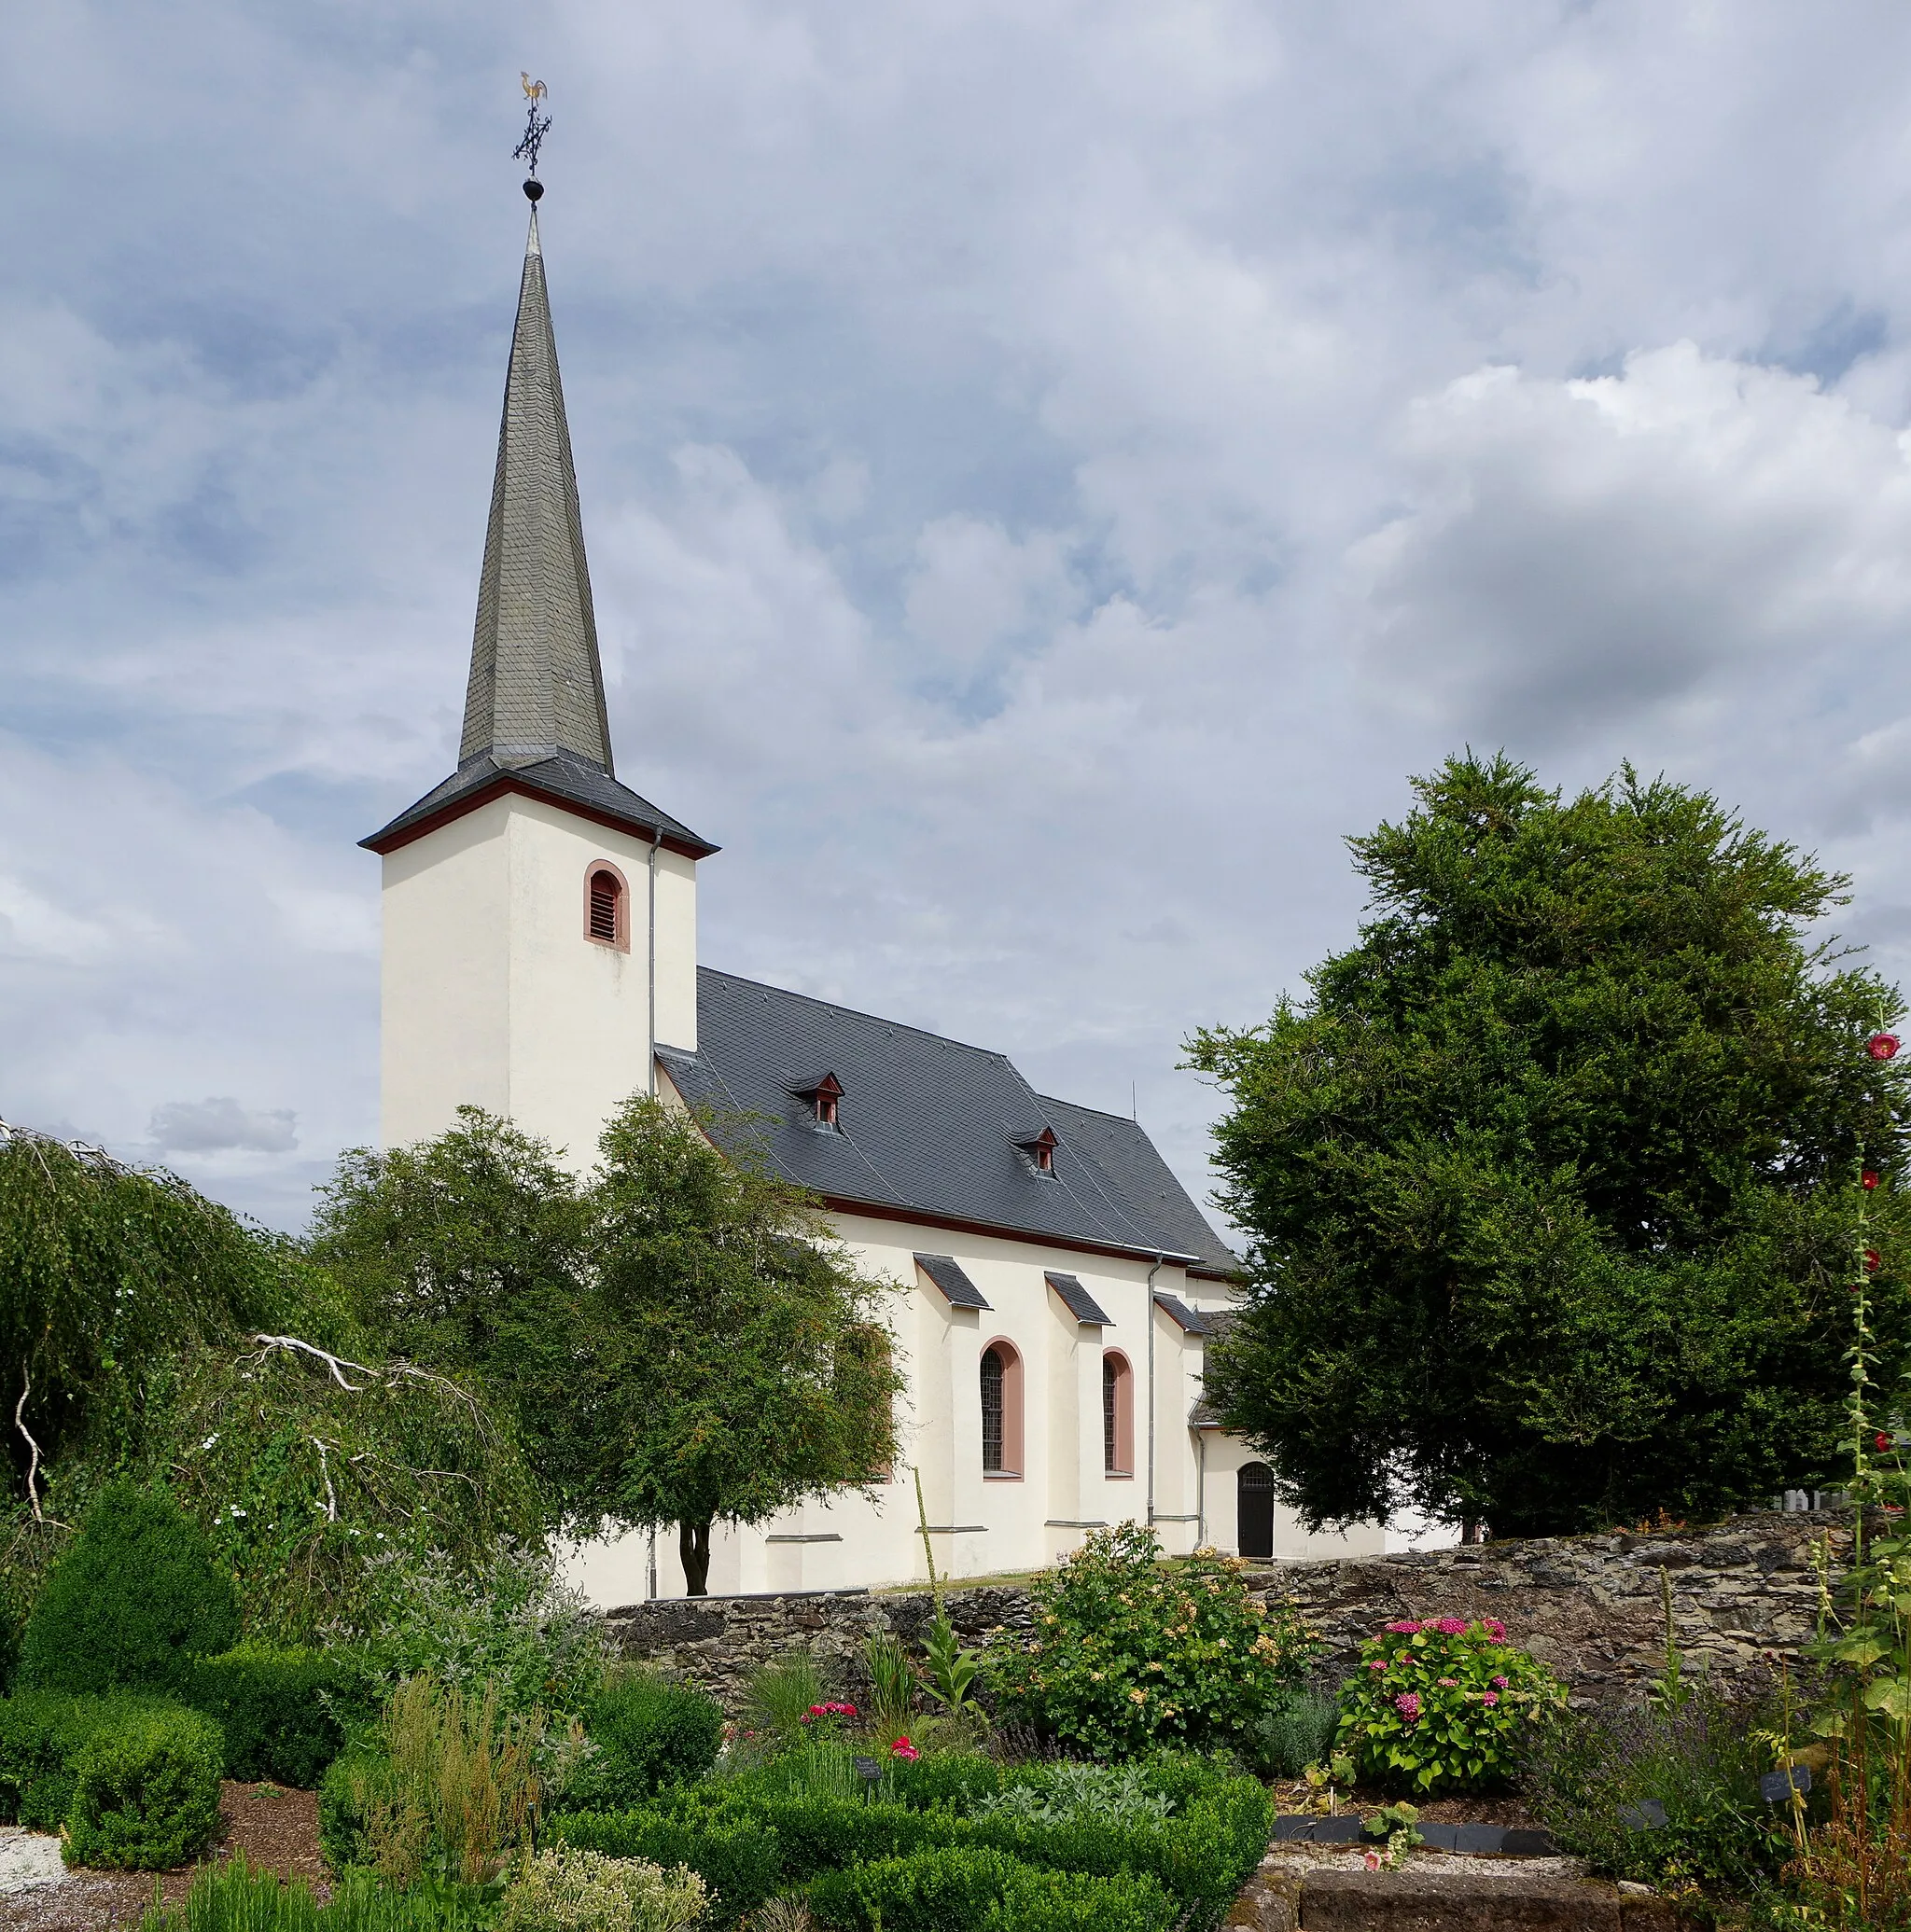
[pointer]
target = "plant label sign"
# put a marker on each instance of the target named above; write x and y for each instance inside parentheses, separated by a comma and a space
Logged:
(1776, 1786)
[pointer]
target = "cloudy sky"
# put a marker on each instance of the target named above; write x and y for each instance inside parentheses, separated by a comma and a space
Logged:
(1051, 470)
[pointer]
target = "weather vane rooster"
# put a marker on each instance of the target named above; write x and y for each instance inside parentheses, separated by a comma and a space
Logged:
(535, 127)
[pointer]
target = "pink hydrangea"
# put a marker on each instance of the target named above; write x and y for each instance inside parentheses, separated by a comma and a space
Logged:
(1408, 1705)
(1405, 1629)
(1449, 1683)
(1376, 1663)
(1494, 1628)
(1502, 1683)
(1451, 1626)
(1489, 1697)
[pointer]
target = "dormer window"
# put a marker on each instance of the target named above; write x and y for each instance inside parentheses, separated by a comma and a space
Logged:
(825, 1098)
(1041, 1149)
(605, 902)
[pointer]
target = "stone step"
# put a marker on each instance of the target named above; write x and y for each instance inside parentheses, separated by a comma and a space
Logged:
(1422, 1900)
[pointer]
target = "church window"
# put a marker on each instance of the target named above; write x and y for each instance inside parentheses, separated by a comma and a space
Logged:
(604, 907)
(1117, 1414)
(1001, 1411)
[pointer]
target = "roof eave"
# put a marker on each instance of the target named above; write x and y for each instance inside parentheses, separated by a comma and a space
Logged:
(402, 830)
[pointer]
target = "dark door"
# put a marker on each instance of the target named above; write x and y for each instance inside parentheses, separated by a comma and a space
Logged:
(1254, 1507)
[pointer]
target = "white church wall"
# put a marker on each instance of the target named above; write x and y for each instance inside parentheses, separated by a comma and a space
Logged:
(493, 993)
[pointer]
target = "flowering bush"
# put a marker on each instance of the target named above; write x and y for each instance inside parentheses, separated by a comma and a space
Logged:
(1440, 1706)
(1129, 1651)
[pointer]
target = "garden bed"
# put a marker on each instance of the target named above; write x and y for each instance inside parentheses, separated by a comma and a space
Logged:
(275, 1829)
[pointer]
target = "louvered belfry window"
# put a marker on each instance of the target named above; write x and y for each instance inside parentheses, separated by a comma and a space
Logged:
(991, 1408)
(607, 897)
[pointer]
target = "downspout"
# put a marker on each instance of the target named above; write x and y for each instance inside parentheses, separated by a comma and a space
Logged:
(650, 1061)
(1160, 1262)
(1200, 1489)
(655, 846)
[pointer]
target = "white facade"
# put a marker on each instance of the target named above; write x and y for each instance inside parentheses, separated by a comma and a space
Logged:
(494, 995)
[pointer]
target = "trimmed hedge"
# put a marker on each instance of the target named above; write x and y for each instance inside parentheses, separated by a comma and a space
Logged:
(1199, 1858)
(146, 1790)
(133, 1781)
(952, 1890)
(279, 1710)
(741, 1860)
(649, 1733)
(132, 1603)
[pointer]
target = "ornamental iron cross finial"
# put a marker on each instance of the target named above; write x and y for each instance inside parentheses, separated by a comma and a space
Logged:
(536, 125)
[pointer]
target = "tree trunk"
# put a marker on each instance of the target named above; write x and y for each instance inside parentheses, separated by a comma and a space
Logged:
(1469, 1529)
(693, 1546)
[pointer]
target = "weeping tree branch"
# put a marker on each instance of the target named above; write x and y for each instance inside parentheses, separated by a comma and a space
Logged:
(32, 1468)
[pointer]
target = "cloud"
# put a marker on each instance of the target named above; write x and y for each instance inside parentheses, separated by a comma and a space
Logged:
(218, 1126)
(1580, 553)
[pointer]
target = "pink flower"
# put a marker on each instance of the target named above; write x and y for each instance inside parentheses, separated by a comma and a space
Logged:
(1452, 1626)
(1405, 1630)
(1408, 1705)
(1502, 1683)
(904, 1749)
(1495, 1629)
(1376, 1663)
(1489, 1697)
(1372, 1860)
(1449, 1683)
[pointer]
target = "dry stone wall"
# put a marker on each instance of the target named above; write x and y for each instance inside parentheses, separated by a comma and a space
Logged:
(1743, 1592)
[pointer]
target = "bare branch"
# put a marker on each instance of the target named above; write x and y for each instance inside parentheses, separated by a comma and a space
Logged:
(331, 1501)
(333, 1362)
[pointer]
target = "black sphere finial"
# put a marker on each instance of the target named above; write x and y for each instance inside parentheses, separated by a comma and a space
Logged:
(534, 191)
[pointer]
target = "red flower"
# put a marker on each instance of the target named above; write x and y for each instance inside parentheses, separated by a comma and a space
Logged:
(1870, 1178)
(1873, 1261)
(1880, 1440)
(1883, 1046)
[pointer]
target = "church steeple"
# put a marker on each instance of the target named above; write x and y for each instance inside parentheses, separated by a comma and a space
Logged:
(537, 686)
(535, 720)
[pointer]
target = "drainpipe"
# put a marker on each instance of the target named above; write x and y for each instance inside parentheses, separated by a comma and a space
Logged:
(1200, 1488)
(1160, 1262)
(655, 845)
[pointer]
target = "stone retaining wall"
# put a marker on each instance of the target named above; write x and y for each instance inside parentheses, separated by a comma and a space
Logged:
(1590, 1606)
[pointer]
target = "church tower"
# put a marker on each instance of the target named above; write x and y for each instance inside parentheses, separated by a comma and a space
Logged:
(540, 919)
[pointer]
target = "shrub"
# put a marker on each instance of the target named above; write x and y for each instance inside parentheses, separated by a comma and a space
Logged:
(1293, 1734)
(447, 1785)
(1130, 1651)
(963, 1890)
(146, 1789)
(740, 1861)
(1443, 1705)
(40, 1730)
(568, 1889)
(133, 1600)
(1701, 1757)
(778, 1696)
(509, 1626)
(1059, 1794)
(281, 1711)
(649, 1732)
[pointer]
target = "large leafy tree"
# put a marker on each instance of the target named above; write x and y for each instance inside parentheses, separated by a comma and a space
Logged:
(681, 1339)
(1551, 1177)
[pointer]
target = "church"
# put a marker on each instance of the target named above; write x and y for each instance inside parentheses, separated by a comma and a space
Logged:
(539, 960)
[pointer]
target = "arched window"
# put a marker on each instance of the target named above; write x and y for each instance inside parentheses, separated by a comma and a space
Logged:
(1001, 1411)
(1254, 1510)
(604, 900)
(1117, 1414)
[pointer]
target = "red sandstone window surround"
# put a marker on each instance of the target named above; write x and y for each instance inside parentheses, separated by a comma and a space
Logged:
(607, 906)
(1001, 1411)
(1117, 1414)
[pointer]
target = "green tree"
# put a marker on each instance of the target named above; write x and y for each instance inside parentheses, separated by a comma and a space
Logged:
(681, 1341)
(463, 1254)
(1550, 1177)
(738, 1361)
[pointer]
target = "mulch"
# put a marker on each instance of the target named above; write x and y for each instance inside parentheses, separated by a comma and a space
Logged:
(276, 1829)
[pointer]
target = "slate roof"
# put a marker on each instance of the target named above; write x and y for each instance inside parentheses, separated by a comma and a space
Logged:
(949, 1275)
(1201, 1416)
(929, 1126)
(1078, 1300)
(1185, 1318)
(566, 779)
(534, 702)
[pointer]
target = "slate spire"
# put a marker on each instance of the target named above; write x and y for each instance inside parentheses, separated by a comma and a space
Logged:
(536, 687)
